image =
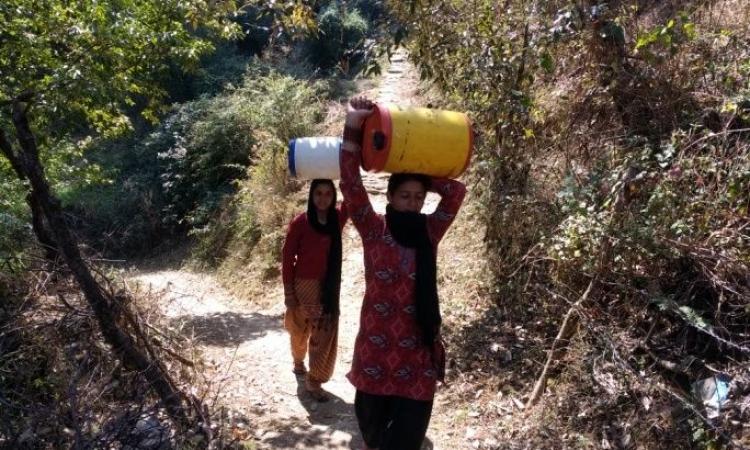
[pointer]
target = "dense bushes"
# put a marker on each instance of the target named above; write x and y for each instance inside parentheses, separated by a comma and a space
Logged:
(203, 146)
(14, 231)
(611, 148)
(128, 193)
(175, 178)
(292, 109)
(339, 39)
(249, 232)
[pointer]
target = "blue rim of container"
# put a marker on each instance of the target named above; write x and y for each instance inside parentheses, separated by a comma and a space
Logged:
(290, 156)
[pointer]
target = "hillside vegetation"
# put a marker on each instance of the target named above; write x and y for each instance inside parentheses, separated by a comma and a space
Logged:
(128, 130)
(611, 182)
(614, 178)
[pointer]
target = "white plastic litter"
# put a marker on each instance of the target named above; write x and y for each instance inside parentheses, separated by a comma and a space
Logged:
(712, 392)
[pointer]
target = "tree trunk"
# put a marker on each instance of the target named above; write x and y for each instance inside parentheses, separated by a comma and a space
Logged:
(27, 165)
(42, 231)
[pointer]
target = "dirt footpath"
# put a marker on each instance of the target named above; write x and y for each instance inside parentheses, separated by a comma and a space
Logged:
(248, 349)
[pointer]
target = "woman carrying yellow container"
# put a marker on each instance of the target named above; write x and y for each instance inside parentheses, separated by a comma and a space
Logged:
(399, 356)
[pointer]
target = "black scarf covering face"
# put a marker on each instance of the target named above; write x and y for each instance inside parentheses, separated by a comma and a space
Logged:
(332, 282)
(409, 229)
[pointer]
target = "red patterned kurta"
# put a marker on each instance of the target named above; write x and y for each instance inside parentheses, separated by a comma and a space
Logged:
(389, 358)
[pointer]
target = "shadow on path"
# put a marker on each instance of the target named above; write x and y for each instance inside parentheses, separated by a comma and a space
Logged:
(226, 328)
(328, 425)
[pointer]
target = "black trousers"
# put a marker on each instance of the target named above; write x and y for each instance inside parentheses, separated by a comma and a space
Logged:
(392, 423)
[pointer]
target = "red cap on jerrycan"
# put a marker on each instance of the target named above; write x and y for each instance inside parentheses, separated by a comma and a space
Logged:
(376, 145)
(419, 140)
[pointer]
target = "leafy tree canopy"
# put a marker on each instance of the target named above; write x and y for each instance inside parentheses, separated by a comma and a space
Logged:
(84, 63)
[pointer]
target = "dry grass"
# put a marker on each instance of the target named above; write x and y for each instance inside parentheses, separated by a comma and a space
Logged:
(67, 387)
(61, 386)
(607, 392)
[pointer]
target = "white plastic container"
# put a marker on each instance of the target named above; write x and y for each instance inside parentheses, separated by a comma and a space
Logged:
(315, 157)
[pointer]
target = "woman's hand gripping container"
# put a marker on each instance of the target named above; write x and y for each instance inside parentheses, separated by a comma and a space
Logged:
(314, 157)
(417, 140)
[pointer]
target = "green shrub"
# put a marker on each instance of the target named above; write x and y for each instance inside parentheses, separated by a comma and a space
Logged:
(252, 226)
(15, 224)
(339, 39)
(210, 146)
(283, 108)
(256, 29)
(371, 10)
(355, 31)
(176, 179)
(223, 69)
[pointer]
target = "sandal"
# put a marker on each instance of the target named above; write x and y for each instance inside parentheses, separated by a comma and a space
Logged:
(319, 395)
(316, 392)
(299, 369)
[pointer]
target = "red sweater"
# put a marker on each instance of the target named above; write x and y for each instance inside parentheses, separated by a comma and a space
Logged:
(305, 251)
(389, 358)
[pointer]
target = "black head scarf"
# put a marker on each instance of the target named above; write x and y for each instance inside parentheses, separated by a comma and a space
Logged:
(409, 229)
(332, 281)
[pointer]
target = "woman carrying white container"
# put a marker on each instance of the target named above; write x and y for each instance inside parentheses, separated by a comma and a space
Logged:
(311, 272)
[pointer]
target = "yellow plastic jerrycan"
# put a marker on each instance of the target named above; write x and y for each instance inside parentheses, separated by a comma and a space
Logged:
(417, 140)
